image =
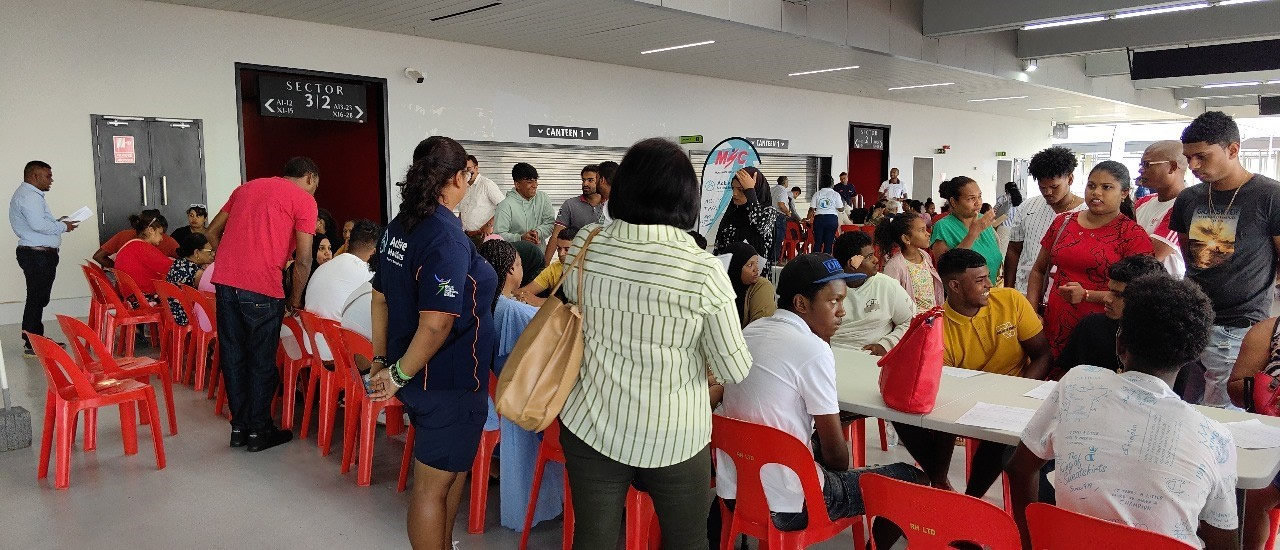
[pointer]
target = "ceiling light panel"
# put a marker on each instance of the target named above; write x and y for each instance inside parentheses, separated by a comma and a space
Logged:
(680, 47)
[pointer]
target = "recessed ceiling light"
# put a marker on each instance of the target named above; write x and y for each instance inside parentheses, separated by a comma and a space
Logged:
(1231, 84)
(1183, 104)
(680, 47)
(997, 98)
(920, 86)
(824, 70)
(1273, 82)
(1030, 65)
(1064, 22)
(1098, 116)
(1164, 9)
(1053, 108)
(1233, 2)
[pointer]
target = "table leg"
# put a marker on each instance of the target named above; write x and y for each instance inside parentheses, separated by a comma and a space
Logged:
(1240, 493)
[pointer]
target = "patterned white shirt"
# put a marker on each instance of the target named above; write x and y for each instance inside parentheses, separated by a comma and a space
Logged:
(1033, 219)
(657, 312)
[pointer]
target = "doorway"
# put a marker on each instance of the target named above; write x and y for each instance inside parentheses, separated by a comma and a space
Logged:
(922, 178)
(868, 158)
(350, 150)
(146, 163)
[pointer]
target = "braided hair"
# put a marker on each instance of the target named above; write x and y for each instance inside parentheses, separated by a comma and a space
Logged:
(502, 256)
(435, 160)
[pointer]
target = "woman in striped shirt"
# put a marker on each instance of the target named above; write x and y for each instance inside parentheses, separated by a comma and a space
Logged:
(657, 313)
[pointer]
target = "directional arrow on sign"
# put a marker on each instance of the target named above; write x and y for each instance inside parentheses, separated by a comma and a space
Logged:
(359, 112)
(267, 105)
(540, 130)
(589, 132)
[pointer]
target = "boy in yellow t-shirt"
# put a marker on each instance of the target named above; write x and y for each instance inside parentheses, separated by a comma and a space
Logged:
(987, 329)
(550, 277)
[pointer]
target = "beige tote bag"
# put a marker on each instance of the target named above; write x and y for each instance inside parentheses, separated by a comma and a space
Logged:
(544, 365)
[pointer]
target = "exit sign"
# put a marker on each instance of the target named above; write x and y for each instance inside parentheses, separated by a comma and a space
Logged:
(685, 140)
(1002, 154)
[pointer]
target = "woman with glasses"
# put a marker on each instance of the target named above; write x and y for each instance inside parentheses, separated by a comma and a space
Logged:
(194, 254)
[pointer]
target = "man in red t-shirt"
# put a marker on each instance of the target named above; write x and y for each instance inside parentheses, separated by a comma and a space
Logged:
(258, 229)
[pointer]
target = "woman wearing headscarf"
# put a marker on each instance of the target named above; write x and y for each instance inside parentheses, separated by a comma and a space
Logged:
(749, 217)
(754, 294)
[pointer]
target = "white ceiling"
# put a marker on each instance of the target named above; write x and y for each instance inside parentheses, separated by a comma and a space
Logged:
(616, 31)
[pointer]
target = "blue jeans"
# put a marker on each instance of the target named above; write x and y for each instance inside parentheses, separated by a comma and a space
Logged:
(1218, 359)
(779, 235)
(824, 232)
(843, 495)
(248, 334)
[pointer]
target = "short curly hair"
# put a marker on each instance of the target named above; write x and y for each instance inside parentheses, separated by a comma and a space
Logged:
(1213, 127)
(1054, 162)
(850, 244)
(1131, 268)
(1166, 323)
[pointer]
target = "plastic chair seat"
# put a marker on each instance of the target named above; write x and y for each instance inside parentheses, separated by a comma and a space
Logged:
(93, 356)
(1054, 528)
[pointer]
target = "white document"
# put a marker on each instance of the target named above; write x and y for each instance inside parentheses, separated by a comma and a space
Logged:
(1253, 434)
(80, 215)
(997, 417)
(1042, 391)
(959, 372)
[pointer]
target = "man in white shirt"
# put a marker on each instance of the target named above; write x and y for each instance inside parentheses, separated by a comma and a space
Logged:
(1054, 171)
(791, 387)
(481, 201)
(892, 188)
(1127, 448)
(780, 195)
(334, 281)
(877, 309)
(1163, 169)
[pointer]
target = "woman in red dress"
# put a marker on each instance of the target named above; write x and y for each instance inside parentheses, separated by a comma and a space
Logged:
(1081, 246)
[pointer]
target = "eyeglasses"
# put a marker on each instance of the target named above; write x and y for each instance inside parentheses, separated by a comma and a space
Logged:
(1144, 164)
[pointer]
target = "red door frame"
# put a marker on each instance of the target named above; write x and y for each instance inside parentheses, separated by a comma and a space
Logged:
(868, 181)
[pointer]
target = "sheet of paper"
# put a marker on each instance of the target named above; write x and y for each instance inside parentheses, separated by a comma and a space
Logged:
(1042, 391)
(1253, 434)
(959, 372)
(997, 417)
(80, 215)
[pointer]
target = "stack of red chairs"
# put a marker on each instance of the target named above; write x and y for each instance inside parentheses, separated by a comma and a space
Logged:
(115, 315)
(70, 390)
(361, 413)
(94, 357)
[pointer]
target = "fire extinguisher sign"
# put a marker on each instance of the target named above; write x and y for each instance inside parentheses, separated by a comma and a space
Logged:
(123, 149)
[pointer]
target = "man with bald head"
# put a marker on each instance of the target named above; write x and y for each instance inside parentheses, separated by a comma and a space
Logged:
(1162, 169)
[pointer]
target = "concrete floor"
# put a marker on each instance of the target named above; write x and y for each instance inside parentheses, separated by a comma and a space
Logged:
(212, 496)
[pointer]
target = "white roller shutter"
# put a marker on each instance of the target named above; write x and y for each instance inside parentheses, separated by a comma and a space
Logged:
(559, 166)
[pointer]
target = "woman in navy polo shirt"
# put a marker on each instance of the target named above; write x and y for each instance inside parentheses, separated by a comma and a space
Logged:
(433, 334)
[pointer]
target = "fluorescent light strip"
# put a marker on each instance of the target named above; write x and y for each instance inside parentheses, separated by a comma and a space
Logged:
(1273, 82)
(680, 47)
(1052, 108)
(997, 98)
(920, 86)
(1234, 2)
(1231, 85)
(1064, 22)
(1165, 9)
(824, 70)
(1098, 116)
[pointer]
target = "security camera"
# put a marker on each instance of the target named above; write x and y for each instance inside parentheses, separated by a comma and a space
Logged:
(415, 74)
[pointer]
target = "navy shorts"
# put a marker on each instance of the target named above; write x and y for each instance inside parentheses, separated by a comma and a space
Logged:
(448, 425)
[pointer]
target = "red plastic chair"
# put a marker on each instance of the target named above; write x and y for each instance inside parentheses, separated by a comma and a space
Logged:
(933, 519)
(70, 391)
(1053, 528)
(750, 446)
(97, 304)
(406, 458)
(1275, 526)
(290, 369)
(856, 434)
(642, 521)
(480, 471)
(129, 288)
(173, 337)
(549, 451)
(116, 315)
(204, 363)
(345, 345)
(329, 383)
(971, 447)
(93, 357)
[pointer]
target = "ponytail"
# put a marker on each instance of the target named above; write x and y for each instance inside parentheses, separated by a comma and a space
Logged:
(1126, 207)
(891, 229)
(435, 160)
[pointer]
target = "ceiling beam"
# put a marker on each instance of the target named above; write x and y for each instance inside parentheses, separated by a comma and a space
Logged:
(948, 17)
(1237, 91)
(1214, 24)
(1231, 102)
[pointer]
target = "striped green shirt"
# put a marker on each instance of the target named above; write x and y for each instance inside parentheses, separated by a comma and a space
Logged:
(657, 312)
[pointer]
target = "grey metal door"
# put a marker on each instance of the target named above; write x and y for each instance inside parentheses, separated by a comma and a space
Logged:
(922, 178)
(177, 168)
(122, 168)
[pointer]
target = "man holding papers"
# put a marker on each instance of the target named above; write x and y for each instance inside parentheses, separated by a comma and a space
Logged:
(987, 329)
(1128, 449)
(39, 237)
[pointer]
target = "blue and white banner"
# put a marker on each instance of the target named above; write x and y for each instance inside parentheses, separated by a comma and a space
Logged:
(723, 162)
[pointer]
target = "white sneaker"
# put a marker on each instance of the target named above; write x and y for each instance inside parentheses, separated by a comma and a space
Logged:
(455, 544)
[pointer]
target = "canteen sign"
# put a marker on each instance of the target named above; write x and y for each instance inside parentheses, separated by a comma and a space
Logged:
(722, 163)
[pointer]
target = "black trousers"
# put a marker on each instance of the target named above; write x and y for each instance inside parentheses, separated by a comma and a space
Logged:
(248, 334)
(39, 268)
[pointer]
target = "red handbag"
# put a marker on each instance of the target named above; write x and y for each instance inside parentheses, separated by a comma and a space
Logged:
(1262, 394)
(911, 371)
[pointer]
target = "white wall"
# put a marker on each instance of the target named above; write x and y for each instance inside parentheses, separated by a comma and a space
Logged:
(66, 59)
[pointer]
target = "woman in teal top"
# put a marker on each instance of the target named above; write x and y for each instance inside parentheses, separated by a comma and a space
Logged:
(964, 228)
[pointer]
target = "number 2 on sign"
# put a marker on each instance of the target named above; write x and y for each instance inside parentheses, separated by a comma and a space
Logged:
(318, 100)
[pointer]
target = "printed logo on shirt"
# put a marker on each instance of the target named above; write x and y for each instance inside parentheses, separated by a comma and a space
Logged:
(872, 305)
(824, 203)
(1213, 237)
(1007, 330)
(395, 249)
(445, 289)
